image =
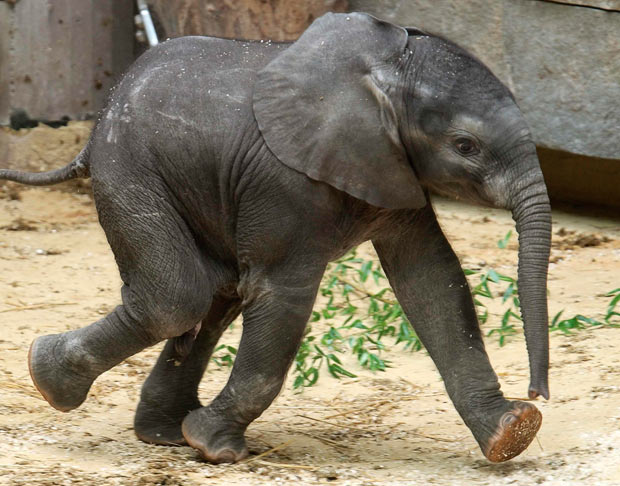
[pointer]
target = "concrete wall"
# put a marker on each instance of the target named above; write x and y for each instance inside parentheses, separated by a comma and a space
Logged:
(278, 20)
(560, 58)
(59, 58)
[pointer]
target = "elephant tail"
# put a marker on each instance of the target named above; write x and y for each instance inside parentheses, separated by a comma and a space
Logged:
(78, 168)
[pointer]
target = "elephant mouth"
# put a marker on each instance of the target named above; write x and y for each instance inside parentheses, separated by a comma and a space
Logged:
(463, 191)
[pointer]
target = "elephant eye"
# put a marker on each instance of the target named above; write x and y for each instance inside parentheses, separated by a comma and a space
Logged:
(466, 146)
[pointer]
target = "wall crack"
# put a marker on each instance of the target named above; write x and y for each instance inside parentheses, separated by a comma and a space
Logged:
(579, 5)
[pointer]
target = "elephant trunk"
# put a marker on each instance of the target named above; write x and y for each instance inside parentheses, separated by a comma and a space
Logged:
(532, 214)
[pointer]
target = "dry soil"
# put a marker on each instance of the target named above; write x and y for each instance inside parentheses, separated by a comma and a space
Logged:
(398, 427)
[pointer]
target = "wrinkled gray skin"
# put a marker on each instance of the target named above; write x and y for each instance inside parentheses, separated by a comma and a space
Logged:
(226, 176)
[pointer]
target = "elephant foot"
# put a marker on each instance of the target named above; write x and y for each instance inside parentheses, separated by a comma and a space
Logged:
(160, 424)
(164, 434)
(517, 429)
(63, 388)
(217, 439)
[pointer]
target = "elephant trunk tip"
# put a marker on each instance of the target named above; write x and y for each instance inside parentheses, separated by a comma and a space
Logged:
(540, 390)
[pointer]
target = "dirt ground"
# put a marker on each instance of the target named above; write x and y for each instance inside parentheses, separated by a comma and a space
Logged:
(398, 427)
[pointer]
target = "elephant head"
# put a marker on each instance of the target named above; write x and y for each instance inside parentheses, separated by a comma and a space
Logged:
(383, 113)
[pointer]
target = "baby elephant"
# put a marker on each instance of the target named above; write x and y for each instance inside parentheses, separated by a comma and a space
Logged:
(227, 174)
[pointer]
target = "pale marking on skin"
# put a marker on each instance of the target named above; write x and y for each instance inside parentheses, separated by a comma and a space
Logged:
(496, 189)
(503, 116)
(388, 115)
(469, 123)
(179, 119)
(112, 114)
(125, 117)
(145, 78)
(425, 91)
(111, 138)
(74, 342)
(258, 385)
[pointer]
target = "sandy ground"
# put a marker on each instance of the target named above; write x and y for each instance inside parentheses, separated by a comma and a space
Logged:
(398, 427)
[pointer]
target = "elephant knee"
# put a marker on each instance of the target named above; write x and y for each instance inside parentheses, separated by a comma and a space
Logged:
(175, 321)
(164, 318)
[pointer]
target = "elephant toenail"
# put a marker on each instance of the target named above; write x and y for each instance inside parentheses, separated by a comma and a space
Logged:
(509, 418)
(226, 456)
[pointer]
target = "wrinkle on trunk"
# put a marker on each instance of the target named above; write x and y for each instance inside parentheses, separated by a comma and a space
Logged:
(532, 213)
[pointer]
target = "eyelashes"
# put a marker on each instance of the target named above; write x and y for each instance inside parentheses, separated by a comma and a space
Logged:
(466, 146)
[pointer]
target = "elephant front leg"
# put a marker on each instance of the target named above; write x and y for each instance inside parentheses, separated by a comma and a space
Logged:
(275, 314)
(431, 287)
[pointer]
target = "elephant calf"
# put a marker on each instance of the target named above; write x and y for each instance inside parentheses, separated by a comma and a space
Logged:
(227, 174)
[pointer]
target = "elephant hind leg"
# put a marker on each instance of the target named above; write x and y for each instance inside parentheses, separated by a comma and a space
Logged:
(64, 366)
(168, 289)
(171, 390)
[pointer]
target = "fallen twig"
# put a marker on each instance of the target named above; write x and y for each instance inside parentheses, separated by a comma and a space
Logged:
(281, 464)
(439, 439)
(324, 440)
(332, 423)
(360, 410)
(263, 454)
(539, 444)
(36, 306)
(363, 291)
(28, 390)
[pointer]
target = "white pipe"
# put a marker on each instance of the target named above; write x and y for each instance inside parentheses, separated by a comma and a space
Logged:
(149, 28)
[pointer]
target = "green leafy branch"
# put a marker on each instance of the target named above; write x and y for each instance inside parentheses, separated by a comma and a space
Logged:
(357, 314)
(580, 322)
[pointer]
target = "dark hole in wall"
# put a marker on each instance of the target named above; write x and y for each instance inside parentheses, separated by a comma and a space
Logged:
(19, 119)
(581, 180)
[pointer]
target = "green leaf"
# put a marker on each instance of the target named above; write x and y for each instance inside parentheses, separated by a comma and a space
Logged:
(503, 243)
(366, 322)
(337, 371)
(508, 293)
(363, 272)
(232, 350)
(493, 275)
(357, 324)
(506, 278)
(311, 377)
(334, 358)
(299, 381)
(611, 307)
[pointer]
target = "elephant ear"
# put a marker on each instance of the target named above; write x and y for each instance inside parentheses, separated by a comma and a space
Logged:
(322, 109)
